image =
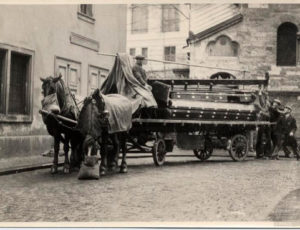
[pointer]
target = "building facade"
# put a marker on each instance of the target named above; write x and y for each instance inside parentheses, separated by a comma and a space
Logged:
(158, 31)
(257, 38)
(43, 40)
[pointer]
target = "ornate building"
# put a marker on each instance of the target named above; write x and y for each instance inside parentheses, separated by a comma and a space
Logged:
(256, 38)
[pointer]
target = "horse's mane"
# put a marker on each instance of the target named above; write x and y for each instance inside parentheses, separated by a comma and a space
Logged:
(67, 102)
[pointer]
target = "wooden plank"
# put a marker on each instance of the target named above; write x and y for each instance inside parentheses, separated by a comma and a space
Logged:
(44, 112)
(204, 122)
(211, 81)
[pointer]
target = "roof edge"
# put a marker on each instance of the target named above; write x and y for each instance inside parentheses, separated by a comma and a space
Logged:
(194, 38)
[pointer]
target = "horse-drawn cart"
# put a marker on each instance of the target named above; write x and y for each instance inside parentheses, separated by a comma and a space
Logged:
(194, 114)
(200, 118)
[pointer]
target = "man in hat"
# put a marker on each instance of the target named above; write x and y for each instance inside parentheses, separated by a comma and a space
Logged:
(138, 71)
(277, 132)
(290, 127)
(271, 134)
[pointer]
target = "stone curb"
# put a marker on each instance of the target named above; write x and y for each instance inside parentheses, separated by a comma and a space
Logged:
(26, 168)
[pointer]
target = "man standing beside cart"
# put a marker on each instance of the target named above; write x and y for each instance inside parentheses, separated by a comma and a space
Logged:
(290, 126)
(268, 135)
(284, 133)
(275, 114)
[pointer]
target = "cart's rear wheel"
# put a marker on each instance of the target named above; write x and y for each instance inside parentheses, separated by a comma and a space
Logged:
(239, 147)
(159, 152)
(204, 154)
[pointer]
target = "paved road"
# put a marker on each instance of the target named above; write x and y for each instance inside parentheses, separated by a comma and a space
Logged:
(184, 189)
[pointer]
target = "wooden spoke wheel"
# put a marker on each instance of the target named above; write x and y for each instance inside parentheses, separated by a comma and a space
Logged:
(204, 154)
(239, 147)
(159, 152)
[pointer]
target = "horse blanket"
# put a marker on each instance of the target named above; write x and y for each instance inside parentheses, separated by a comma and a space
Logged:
(120, 112)
(122, 81)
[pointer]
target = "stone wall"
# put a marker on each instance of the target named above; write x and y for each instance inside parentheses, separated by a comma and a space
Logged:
(47, 30)
(257, 39)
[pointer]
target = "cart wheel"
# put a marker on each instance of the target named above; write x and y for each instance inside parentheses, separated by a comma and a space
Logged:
(204, 154)
(159, 152)
(239, 147)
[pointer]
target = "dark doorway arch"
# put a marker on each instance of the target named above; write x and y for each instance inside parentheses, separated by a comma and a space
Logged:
(287, 44)
(222, 75)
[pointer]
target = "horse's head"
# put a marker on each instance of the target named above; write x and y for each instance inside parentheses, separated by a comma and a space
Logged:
(49, 91)
(49, 85)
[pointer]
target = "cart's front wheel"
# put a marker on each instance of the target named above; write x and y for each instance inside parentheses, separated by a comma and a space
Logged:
(239, 147)
(159, 152)
(204, 154)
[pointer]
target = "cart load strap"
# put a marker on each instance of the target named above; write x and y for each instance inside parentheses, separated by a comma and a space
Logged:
(205, 105)
(120, 112)
(122, 81)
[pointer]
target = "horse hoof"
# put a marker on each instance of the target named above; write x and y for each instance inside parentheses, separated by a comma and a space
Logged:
(123, 170)
(113, 169)
(66, 170)
(54, 169)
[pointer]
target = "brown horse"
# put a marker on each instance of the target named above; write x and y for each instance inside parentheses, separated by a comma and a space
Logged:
(93, 124)
(58, 100)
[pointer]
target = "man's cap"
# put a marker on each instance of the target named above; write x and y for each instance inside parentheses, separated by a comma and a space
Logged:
(289, 108)
(139, 57)
(277, 101)
(281, 109)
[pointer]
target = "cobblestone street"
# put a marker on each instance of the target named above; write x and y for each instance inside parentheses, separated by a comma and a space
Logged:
(184, 189)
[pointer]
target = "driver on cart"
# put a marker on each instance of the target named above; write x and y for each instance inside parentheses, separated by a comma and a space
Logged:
(138, 70)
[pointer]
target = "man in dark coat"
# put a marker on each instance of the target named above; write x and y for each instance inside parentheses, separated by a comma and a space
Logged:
(268, 134)
(284, 133)
(138, 71)
(289, 132)
(275, 114)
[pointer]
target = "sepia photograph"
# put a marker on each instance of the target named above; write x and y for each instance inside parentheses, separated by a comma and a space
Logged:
(150, 114)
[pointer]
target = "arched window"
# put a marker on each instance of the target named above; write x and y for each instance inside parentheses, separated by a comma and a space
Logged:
(223, 46)
(287, 44)
(222, 75)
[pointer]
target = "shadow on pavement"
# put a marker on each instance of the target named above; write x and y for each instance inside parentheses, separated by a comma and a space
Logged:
(288, 209)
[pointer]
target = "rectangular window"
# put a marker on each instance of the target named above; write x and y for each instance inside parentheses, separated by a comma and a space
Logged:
(15, 84)
(139, 19)
(97, 76)
(86, 9)
(19, 70)
(71, 73)
(3, 58)
(145, 54)
(86, 13)
(132, 51)
(170, 18)
(170, 53)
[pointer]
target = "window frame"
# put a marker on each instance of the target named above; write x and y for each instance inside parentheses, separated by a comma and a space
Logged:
(5, 85)
(86, 17)
(166, 47)
(144, 30)
(100, 70)
(145, 62)
(58, 60)
(165, 28)
(130, 49)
